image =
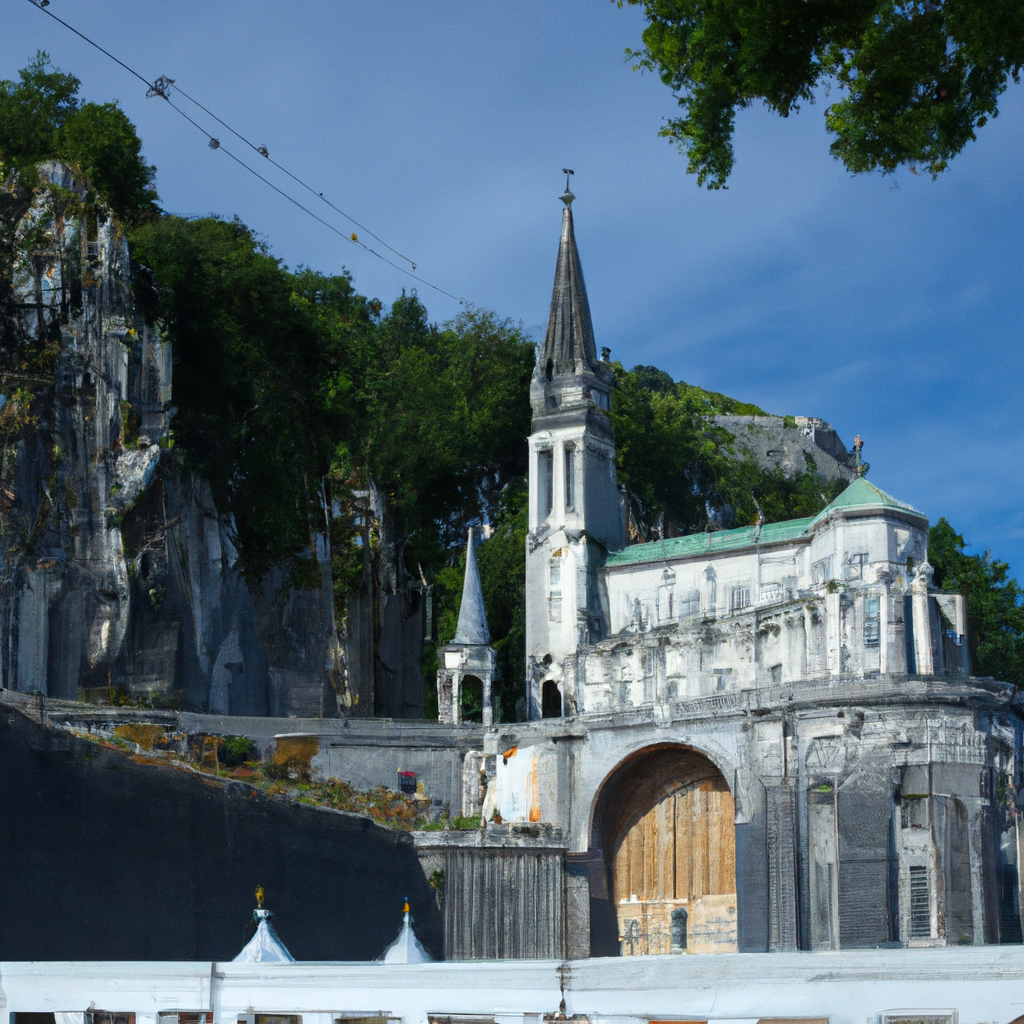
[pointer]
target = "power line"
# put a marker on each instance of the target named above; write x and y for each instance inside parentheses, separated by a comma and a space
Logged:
(262, 150)
(160, 88)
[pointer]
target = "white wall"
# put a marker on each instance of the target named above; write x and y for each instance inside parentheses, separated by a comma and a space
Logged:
(983, 985)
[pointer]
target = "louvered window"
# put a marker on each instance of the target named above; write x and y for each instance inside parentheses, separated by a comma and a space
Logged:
(920, 912)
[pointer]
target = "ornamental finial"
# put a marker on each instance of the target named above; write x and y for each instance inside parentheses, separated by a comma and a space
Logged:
(259, 896)
(567, 197)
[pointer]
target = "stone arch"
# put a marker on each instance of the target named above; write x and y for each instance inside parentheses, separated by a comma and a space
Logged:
(663, 838)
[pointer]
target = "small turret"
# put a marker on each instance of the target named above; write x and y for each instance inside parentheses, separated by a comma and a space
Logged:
(264, 947)
(472, 627)
(469, 660)
(406, 949)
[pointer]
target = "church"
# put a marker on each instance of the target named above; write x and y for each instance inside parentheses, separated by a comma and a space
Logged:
(762, 738)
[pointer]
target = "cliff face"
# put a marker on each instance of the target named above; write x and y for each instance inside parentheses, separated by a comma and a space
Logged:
(117, 573)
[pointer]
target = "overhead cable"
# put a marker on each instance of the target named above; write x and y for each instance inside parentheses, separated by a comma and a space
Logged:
(161, 87)
(262, 150)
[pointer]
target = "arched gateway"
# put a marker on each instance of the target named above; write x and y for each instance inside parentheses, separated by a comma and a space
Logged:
(663, 821)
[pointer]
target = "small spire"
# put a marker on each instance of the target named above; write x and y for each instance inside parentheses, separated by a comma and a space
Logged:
(264, 947)
(406, 949)
(568, 347)
(472, 627)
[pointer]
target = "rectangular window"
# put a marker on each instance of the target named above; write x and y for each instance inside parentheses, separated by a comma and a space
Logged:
(570, 477)
(689, 604)
(740, 598)
(920, 912)
(854, 569)
(545, 483)
(871, 621)
(555, 591)
(914, 812)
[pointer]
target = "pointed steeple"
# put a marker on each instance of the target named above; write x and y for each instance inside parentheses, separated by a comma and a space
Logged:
(568, 347)
(472, 627)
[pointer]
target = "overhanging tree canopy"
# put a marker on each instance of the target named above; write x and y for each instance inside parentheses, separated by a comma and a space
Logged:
(916, 77)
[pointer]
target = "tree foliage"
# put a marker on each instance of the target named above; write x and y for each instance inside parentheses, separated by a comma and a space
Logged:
(255, 350)
(676, 463)
(43, 118)
(290, 383)
(995, 603)
(443, 418)
(916, 78)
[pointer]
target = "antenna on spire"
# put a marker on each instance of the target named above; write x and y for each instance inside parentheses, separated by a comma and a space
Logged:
(567, 196)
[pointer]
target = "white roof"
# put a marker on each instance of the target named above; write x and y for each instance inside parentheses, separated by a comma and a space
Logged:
(264, 947)
(406, 949)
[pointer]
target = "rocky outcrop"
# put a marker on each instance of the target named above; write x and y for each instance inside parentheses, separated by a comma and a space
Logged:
(798, 444)
(118, 575)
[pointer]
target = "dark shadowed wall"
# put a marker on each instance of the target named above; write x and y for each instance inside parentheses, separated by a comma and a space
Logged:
(107, 859)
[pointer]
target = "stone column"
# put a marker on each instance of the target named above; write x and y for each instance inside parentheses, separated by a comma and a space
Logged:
(922, 624)
(577, 906)
(833, 633)
(884, 622)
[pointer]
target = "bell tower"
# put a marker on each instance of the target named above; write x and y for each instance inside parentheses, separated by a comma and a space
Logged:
(577, 515)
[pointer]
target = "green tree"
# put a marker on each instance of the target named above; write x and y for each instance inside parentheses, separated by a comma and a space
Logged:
(676, 463)
(445, 414)
(916, 79)
(995, 603)
(42, 118)
(262, 356)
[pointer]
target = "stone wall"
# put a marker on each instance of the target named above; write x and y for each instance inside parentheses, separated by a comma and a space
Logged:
(502, 891)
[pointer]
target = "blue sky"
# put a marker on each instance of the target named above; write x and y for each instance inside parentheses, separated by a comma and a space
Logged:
(889, 306)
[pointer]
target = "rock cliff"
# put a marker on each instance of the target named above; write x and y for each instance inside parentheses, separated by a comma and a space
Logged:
(118, 576)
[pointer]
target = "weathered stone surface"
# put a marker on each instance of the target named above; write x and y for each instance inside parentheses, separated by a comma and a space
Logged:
(117, 572)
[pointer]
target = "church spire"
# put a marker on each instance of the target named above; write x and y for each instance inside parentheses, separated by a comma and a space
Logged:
(472, 627)
(568, 347)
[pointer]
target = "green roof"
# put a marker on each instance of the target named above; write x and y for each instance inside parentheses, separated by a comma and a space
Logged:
(863, 494)
(711, 543)
(860, 494)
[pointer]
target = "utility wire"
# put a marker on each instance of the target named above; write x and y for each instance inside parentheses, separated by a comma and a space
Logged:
(159, 88)
(262, 150)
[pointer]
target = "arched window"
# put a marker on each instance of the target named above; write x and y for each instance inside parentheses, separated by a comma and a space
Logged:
(471, 699)
(550, 700)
